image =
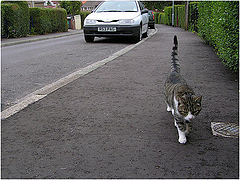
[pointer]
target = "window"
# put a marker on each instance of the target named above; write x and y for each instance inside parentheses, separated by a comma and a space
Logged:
(141, 5)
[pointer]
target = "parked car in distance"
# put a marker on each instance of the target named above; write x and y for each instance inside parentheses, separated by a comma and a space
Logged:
(117, 18)
(151, 22)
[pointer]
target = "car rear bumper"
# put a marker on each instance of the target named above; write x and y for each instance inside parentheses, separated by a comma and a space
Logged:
(151, 22)
(120, 31)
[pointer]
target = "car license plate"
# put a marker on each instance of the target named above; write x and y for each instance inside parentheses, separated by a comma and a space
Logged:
(107, 29)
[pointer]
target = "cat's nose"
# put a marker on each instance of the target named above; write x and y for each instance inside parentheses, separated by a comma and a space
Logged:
(189, 117)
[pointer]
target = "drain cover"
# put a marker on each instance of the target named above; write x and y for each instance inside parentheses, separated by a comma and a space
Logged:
(225, 129)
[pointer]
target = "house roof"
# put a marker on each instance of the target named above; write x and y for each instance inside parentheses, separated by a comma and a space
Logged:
(90, 3)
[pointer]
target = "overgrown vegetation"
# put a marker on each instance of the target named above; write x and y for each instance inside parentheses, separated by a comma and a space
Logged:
(72, 7)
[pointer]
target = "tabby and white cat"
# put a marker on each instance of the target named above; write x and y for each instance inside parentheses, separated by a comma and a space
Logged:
(180, 98)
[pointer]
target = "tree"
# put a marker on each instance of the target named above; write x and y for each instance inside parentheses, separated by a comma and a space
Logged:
(160, 5)
(72, 7)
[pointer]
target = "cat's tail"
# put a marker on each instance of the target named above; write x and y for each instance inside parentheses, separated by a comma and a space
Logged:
(175, 62)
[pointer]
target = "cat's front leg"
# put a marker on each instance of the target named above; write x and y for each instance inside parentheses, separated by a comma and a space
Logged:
(182, 137)
(188, 128)
(168, 107)
(181, 133)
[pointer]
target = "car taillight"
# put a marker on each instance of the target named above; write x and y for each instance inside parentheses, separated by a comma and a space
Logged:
(153, 15)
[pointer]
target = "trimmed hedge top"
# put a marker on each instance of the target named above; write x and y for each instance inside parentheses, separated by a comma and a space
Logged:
(18, 20)
(46, 20)
(15, 19)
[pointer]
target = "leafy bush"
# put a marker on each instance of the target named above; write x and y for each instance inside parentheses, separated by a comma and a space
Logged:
(3, 33)
(156, 17)
(161, 18)
(179, 16)
(168, 15)
(205, 20)
(72, 7)
(193, 17)
(83, 15)
(44, 20)
(218, 24)
(15, 18)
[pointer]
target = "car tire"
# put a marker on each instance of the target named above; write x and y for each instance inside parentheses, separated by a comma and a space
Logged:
(138, 38)
(145, 34)
(153, 26)
(89, 39)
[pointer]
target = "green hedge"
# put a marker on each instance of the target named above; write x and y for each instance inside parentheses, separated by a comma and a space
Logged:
(15, 19)
(168, 15)
(46, 20)
(156, 17)
(179, 16)
(161, 18)
(218, 24)
(193, 17)
(3, 33)
(83, 15)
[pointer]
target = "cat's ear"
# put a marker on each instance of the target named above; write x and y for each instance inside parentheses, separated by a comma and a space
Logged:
(198, 99)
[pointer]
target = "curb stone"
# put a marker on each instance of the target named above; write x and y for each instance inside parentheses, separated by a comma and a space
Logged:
(41, 37)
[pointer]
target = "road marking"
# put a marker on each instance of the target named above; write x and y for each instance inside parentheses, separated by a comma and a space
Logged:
(43, 92)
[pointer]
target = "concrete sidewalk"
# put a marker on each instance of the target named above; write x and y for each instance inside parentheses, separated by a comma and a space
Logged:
(113, 123)
(32, 38)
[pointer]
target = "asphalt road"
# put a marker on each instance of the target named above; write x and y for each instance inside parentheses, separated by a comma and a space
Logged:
(30, 66)
(113, 123)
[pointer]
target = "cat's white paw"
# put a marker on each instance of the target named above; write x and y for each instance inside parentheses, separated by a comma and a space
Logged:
(169, 109)
(182, 140)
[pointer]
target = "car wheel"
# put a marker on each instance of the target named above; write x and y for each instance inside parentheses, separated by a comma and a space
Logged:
(145, 34)
(138, 37)
(89, 38)
(153, 26)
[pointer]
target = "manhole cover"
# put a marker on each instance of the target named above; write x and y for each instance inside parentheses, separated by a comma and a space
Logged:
(225, 129)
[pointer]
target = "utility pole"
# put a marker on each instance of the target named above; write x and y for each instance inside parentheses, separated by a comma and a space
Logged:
(32, 4)
(173, 13)
(186, 14)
